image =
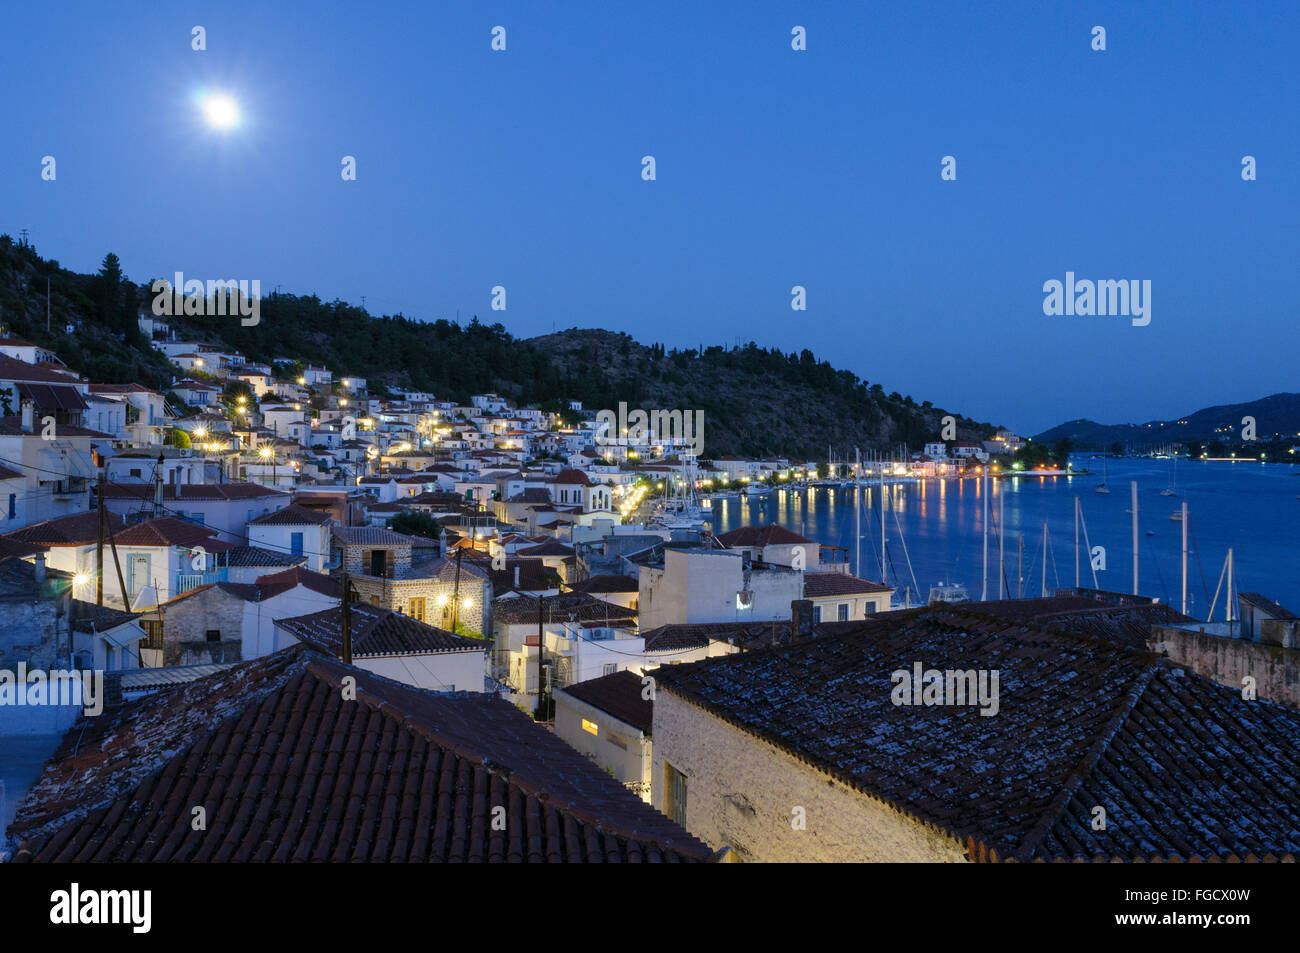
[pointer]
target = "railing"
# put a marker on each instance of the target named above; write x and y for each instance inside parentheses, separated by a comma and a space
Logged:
(185, 581)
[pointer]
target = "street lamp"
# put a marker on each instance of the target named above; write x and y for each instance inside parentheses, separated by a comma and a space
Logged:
(266, 451)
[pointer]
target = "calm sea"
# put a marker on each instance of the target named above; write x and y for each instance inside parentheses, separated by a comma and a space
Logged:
(1250, 507)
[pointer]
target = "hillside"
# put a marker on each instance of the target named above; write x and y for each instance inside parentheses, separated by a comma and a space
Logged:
(1276, 416)
(755, 400)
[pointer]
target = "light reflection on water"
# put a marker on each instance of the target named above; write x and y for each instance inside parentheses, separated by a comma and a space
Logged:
(1251, 507)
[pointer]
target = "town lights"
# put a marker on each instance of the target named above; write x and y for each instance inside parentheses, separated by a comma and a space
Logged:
(80, 579)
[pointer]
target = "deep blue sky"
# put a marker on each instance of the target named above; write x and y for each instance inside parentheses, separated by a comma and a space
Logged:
(775, 168)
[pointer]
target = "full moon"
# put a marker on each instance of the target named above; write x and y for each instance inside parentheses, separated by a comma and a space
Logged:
(220, 111)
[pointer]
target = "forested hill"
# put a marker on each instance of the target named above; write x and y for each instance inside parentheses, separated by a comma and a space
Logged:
(756, 400)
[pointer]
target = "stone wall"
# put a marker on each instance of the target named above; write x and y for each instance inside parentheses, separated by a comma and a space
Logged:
(188, 620)
(1276, 670)
(746, 794)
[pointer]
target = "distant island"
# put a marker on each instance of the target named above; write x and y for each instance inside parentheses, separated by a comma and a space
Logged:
(1224, 430)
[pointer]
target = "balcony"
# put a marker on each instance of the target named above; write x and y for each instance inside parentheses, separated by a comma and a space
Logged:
(185, 581)
(70, 487)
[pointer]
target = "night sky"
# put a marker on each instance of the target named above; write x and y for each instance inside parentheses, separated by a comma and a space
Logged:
(774, 168)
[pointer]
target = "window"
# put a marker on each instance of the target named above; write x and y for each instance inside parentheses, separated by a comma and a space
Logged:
(817, 614)
(378, 561)
(416, 609)
(213, 635)
(609, 669)
(871, 608)
(843, 612)
(675, 794)
(590, 727)
(153, 634)
(295, 544)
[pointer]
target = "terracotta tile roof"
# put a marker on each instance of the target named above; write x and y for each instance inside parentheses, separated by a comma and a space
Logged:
(290, 771)
(1185, 767)
(576, 477)
(552, 547)
(75, 529)
(747, 636)
(170, 531)
(254, 556)
(606, 584)
(292, 515)
(534, 574)
(769, 535)
(1273, 607)
(274, 584)
(89, 617)
(13, 369)
(375, 632)
(818, 584)
(520, 610)
(620, 695)
(190, 492)
(18, 548)
(370, 536)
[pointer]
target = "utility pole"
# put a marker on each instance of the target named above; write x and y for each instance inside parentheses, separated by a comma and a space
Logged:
(346, 622)
(158, 487)
(99, 546)
(541, 652)
(455, 590)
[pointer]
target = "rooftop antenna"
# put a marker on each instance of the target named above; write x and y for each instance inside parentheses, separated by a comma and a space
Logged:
(1135, 536)
(23, 239)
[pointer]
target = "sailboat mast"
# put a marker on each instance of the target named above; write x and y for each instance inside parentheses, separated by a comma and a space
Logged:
(1184, 609)
(984, 589)
(1076, 542)
(883, 580)
(857, 511)
(1134, 486)
(1002, 538)
(1043, 590)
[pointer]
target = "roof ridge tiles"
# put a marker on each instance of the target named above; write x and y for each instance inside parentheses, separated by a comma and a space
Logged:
(1083, 770)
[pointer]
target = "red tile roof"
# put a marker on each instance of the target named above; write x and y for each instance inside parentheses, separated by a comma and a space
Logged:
(571, 476)
(769, 535)
(621, 695)
(291, 771)
(376, 632)
(1185, 767)
(75, 529)
(170, 531)
(818, 584)
(292, 515)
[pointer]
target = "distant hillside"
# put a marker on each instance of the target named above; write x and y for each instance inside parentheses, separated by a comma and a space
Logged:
(755, 400)
(1276, 417)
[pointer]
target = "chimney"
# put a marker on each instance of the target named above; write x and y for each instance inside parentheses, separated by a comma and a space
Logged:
(516, 575)
(28, 420)
(40, 569)
(801, 620)
(442, 543)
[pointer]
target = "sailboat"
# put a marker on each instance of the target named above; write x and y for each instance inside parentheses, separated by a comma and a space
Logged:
(1169, 490)
(1102, 487)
